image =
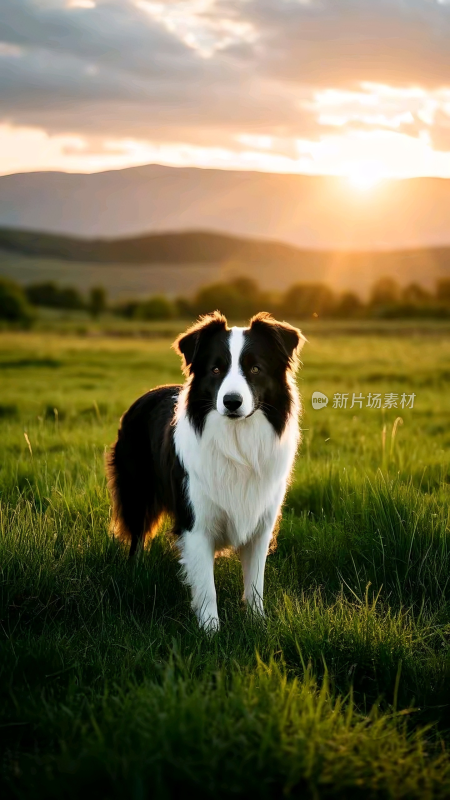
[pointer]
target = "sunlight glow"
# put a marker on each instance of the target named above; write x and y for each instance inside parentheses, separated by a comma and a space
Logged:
(81, 4)
(365, 175)
(362, 157)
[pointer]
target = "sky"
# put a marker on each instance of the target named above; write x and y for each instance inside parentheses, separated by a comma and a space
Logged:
(359, 88)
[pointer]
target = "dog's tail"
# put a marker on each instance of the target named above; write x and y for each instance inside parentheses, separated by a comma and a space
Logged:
(131, 517)
(115, 479)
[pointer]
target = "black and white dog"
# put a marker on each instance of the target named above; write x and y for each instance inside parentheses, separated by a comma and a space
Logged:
(215, 454)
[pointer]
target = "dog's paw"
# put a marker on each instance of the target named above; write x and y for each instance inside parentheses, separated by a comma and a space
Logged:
(210, 625)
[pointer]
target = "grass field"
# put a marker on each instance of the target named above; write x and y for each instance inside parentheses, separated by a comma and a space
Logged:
(108, 687)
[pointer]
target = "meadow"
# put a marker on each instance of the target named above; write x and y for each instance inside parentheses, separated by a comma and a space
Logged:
(343, 690)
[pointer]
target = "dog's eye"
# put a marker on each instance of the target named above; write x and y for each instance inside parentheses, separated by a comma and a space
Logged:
(254, 370)
(215, 370)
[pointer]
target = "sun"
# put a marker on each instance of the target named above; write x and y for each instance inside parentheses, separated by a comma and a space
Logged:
(364, 175)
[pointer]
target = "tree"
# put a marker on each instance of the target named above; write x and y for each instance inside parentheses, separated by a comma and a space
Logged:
(42, 294)
(13, 303)
(70, 299)
(126, 308)
(238, 299)
(49, 295)
(349, 305)
(385, 292)
(183, 308)
(308, 299)
(415, 295)
(97, 301)
(443, 291)
(157, 307)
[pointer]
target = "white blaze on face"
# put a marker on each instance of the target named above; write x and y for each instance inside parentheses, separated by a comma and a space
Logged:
(234, 381)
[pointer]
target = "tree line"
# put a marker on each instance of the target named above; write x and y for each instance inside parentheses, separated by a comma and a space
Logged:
(237, 299)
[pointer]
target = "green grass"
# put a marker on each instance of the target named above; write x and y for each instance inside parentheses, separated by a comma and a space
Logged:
(108, 687)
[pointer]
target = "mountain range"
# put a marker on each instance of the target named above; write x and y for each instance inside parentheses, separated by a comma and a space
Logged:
(312, 212)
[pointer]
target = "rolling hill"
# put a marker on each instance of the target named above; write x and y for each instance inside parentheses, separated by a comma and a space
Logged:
(180, 262)
(183, 247)
(312, 212)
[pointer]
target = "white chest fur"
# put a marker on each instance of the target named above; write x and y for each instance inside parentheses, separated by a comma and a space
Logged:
(237, 471)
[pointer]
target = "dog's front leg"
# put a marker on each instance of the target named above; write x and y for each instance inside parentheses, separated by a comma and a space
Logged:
(197, 558)
(253, 559)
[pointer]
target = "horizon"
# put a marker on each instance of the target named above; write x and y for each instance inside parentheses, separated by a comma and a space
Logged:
(143, 165)
(359, 178)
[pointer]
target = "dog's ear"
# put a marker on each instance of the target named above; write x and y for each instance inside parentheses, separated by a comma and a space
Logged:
(188, 343)
(289, 340)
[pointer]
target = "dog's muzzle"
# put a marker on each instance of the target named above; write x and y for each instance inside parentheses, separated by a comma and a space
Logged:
(233, 403)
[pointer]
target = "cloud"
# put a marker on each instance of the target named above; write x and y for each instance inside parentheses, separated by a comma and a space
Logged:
(227, 76)
(349, 41)
(27, 148)
(201, 24)
(8, 50)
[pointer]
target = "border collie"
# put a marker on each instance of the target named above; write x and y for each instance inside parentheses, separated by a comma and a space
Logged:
(215, 454)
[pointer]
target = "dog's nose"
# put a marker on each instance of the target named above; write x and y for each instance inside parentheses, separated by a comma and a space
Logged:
(232, 401)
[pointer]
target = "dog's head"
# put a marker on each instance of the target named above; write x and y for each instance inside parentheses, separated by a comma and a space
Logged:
(237, 371)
